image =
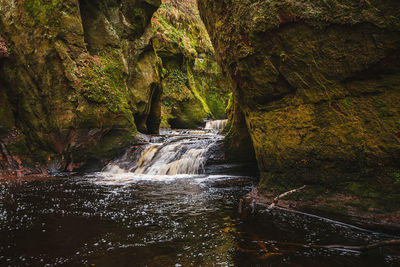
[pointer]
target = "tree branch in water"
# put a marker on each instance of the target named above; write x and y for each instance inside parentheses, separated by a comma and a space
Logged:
(385, 243)
(275, 202)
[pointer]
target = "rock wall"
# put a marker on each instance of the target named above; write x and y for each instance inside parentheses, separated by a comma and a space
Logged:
(238, 144)
(318, 83)
(80, 79)
(193, 86)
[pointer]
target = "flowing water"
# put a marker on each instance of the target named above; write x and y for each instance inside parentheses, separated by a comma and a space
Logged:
(169, 203)
(217, 125)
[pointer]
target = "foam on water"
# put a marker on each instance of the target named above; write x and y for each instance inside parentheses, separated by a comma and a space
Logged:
(122, 178)
(181, 154)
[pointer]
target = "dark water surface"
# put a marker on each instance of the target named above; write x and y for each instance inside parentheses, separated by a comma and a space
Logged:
(122, 220)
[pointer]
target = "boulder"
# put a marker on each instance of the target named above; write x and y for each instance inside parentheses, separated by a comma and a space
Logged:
(318, 83)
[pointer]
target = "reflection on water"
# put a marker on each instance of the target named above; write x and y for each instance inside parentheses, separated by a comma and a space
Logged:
(123, 220)
(100, 220)
(143, 211)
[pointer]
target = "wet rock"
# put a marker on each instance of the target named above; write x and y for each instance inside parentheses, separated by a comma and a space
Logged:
(193, 86)
(334, 206)
(317, 83)
(3, 48)
(71, 82)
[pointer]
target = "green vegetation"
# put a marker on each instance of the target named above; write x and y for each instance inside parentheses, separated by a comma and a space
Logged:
(317, 98)
(43, 11)
(71, 80)
(192, 81)
(396, 177)
(347, 103)
(105, 84)
(175, 79)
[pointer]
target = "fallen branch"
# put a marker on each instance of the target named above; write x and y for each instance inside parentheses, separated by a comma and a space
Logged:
(242, 209)
(394, 242)
(275, 202)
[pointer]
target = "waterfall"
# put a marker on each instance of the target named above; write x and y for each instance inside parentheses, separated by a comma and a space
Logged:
(218, 125)
(172, 160)
(182, 152)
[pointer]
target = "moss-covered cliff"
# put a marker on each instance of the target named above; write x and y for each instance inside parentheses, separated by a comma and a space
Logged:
(319, 85)
(79, 80)
(193, 86)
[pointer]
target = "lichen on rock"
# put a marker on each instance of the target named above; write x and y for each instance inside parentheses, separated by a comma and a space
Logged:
(70, 77)
(193, 87)
(318, 84)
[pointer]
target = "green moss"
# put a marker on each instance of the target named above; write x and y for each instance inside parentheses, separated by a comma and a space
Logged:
(104, 83)
(227, 128)
(309, 194)
(176, 79)
(382, 194)
(175, 86)
(43, 11)
(195, 90)
(191, 115)
(362, 190)
(273, 182)
(178, 28)
(191, 75)
(59, 88)
(347, 103)
(370, 190)
(396, 177)
(229, 106)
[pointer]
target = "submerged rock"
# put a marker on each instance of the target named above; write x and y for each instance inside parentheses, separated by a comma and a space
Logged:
(318, 83)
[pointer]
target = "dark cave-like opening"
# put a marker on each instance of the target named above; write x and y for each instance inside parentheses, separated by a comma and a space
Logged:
(154, 117)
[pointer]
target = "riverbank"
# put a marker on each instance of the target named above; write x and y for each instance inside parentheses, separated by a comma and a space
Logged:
(336, 206)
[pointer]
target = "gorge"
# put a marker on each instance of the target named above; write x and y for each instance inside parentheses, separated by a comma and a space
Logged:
(130, 131)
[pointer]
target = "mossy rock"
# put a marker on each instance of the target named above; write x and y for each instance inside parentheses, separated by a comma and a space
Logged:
(318, 84)
(191, 74)
(71, 70)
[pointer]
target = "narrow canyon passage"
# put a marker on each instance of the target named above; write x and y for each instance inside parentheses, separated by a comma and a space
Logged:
(200, 133)
(171, 202)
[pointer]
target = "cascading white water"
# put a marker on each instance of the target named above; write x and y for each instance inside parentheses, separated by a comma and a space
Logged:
(218, 125)
(169, 162)
(183, 152)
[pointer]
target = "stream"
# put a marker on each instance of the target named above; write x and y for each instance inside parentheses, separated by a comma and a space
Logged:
(172, 202)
